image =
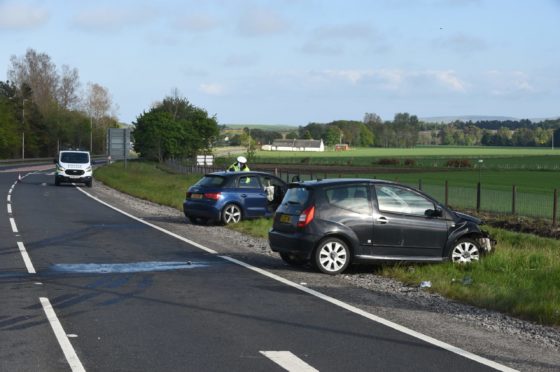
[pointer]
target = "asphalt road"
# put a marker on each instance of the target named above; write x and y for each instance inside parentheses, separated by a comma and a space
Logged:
(129, 297)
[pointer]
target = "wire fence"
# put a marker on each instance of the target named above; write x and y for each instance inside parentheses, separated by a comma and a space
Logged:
(478, 197)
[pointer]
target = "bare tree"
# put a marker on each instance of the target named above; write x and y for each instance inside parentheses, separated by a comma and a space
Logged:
(67, 92)
(37, 71)
(98, 102)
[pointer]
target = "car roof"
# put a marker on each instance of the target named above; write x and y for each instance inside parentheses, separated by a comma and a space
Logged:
(338, 181)
(78, 151)
(230, 174)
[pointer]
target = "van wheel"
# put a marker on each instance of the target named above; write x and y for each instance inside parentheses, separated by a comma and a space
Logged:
(292, 260)
(89, 184)
(332, 256)
(231, 214)
(56, 181)
(465, 251)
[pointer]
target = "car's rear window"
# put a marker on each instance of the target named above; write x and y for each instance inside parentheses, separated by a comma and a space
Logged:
(296, 195)
(211, 181)
(74, 157)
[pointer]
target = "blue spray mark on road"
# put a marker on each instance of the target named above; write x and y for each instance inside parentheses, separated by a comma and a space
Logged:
(135, 267)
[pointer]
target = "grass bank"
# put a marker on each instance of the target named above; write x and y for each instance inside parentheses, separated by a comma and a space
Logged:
(521, 278)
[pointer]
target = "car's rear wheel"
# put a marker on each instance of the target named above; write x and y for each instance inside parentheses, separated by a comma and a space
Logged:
(292, 260)
(332, 256)
(231, 214)
(465, 251)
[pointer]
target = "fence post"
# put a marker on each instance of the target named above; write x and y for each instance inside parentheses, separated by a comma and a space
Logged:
(478, 197)
(513, 198)
(446, 193)
(555, 207)
(420, 184)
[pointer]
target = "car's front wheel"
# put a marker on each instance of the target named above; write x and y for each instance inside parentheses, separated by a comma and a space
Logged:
(465, 251)
(332, 256)
(231, 214)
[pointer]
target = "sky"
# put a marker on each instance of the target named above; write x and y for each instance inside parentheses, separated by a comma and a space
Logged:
(300, 61)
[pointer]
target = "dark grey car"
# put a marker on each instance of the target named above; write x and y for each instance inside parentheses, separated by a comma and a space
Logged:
(332, 223)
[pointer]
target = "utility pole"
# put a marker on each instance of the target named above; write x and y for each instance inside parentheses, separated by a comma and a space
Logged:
(91, 135)
(23, 128)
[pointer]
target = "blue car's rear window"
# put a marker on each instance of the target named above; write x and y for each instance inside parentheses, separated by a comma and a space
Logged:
(211, 181)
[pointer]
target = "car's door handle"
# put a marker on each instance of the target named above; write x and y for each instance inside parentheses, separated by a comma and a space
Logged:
(382, 220)
(243, 195)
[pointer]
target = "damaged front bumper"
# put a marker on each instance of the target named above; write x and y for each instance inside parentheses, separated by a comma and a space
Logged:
(487, 243)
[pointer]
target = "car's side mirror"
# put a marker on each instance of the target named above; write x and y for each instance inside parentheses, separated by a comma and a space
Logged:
(296, 179)
(433, 213)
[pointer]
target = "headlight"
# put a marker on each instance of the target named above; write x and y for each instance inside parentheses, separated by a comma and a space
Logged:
(59, 168)
(88, 169)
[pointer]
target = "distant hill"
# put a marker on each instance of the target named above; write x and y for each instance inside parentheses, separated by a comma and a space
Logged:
(473, 118)
(274, 127)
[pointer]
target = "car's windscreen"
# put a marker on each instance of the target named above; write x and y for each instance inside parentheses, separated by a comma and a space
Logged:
(74, 157)
(296, 195)
(211, 181)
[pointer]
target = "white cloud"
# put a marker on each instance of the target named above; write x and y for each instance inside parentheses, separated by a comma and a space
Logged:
(16, 16)
(261, 22)
(197, 23)
(449, 79)
(111, 19)
(333, 40)
(509, 83)
(212, 89)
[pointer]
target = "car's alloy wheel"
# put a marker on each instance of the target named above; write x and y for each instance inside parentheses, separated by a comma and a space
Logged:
(465, 251)
(231, 214)
(332, 256)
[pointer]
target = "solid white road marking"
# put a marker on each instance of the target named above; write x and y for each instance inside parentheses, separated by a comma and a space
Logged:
(9, 209)
(13, 223)
(63, 340)
(288, 361)
(326, 298)
(26, 259)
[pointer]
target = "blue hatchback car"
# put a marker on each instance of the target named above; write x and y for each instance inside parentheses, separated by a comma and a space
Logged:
(229, 197)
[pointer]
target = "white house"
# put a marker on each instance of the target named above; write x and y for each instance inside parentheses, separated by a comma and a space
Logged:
(295, 145)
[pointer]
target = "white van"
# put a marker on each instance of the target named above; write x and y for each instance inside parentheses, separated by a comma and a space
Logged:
(73, 166)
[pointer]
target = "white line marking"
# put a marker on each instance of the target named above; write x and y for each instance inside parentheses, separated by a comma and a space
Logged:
(329, 299)
(63, 340)
(150, 224)
(26, 259)
(13, 223)
(288, 361)
(9, 198)
(9, 209)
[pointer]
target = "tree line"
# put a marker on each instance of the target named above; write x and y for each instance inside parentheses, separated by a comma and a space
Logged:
(44, 109)
(407, 130)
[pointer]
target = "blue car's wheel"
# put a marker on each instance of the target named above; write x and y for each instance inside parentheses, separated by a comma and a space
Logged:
(231, 214)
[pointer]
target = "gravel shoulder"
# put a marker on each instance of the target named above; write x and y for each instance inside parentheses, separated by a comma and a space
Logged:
(515, 343)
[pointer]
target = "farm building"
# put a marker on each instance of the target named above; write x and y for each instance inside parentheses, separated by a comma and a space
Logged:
(295, 145)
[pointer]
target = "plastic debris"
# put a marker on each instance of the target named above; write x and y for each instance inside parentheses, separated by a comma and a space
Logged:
(467, 280)
(426, 284)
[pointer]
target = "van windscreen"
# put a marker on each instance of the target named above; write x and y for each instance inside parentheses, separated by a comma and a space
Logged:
(74, 157)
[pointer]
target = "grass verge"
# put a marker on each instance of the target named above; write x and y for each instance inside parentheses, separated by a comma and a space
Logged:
(521, 278)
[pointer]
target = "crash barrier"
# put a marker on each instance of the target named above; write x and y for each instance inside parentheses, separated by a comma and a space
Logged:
(514, 201)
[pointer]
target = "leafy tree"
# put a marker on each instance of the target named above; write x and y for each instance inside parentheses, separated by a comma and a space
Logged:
(174, 128)
(333, 135)
(307, 135)
(292, 135)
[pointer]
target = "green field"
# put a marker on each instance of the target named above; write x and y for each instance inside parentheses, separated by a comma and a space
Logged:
(425, 157)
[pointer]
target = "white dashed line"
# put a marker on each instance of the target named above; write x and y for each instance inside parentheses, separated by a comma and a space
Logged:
(26, 259)
(9, 209)
(332, 300)
(288, 361)
(9, 198)
(13, 223)
(63, 340)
